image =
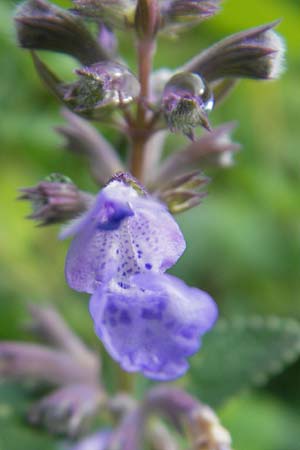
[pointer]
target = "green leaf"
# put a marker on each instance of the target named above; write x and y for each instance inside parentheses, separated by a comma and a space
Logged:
(243, 352)
(15, 433)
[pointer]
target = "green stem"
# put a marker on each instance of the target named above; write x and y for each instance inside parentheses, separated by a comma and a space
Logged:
(125, 381)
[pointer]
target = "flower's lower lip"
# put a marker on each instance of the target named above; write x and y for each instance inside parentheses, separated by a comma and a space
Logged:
(153, 324)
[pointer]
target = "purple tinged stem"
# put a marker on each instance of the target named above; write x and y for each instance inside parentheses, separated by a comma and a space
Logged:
(188, 414)
(140, 133)
(152, 155)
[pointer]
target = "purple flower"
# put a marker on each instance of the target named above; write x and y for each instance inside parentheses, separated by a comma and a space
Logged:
(148, 321)
(123, 234)
(154, 324)
(55, 199)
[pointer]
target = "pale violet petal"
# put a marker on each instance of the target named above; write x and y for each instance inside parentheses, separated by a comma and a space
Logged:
(154, 324)
(123, 234)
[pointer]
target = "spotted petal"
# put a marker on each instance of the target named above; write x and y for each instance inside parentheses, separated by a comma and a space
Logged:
(153, 325)
(123, 234)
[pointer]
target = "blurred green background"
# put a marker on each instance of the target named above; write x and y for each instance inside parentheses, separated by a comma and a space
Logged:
(243, 243)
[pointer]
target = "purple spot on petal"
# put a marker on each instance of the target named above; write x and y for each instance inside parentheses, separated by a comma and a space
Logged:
(188, 332)
(125, 317)
(148, 266)
(161, 306)
(112, 309)
(170, 324)
(112, 322)
(149, 314)
(123, 285)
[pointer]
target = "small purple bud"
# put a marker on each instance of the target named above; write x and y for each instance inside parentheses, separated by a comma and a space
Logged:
(179, 14)
(101, 85)
(116, 13)
(187, 414)
(43, 26)
(255, 53)
(67, 410)
(147, 19)
(186, 101)
(55, 200)
(182, 192)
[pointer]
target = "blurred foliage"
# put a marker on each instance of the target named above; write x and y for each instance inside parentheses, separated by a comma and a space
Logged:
(14, 430)
(240, 353)
(243, 243)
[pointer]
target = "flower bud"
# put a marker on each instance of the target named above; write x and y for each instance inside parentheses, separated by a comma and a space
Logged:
(186, 101)
(182, 192)
(255, 53)
(147, 18)
(56, 199)
(43, 26)
(186, 413)
(77, 96)
(67, 410)
(205, 430)
(116, 13)
(183, 13)
(100, 86)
